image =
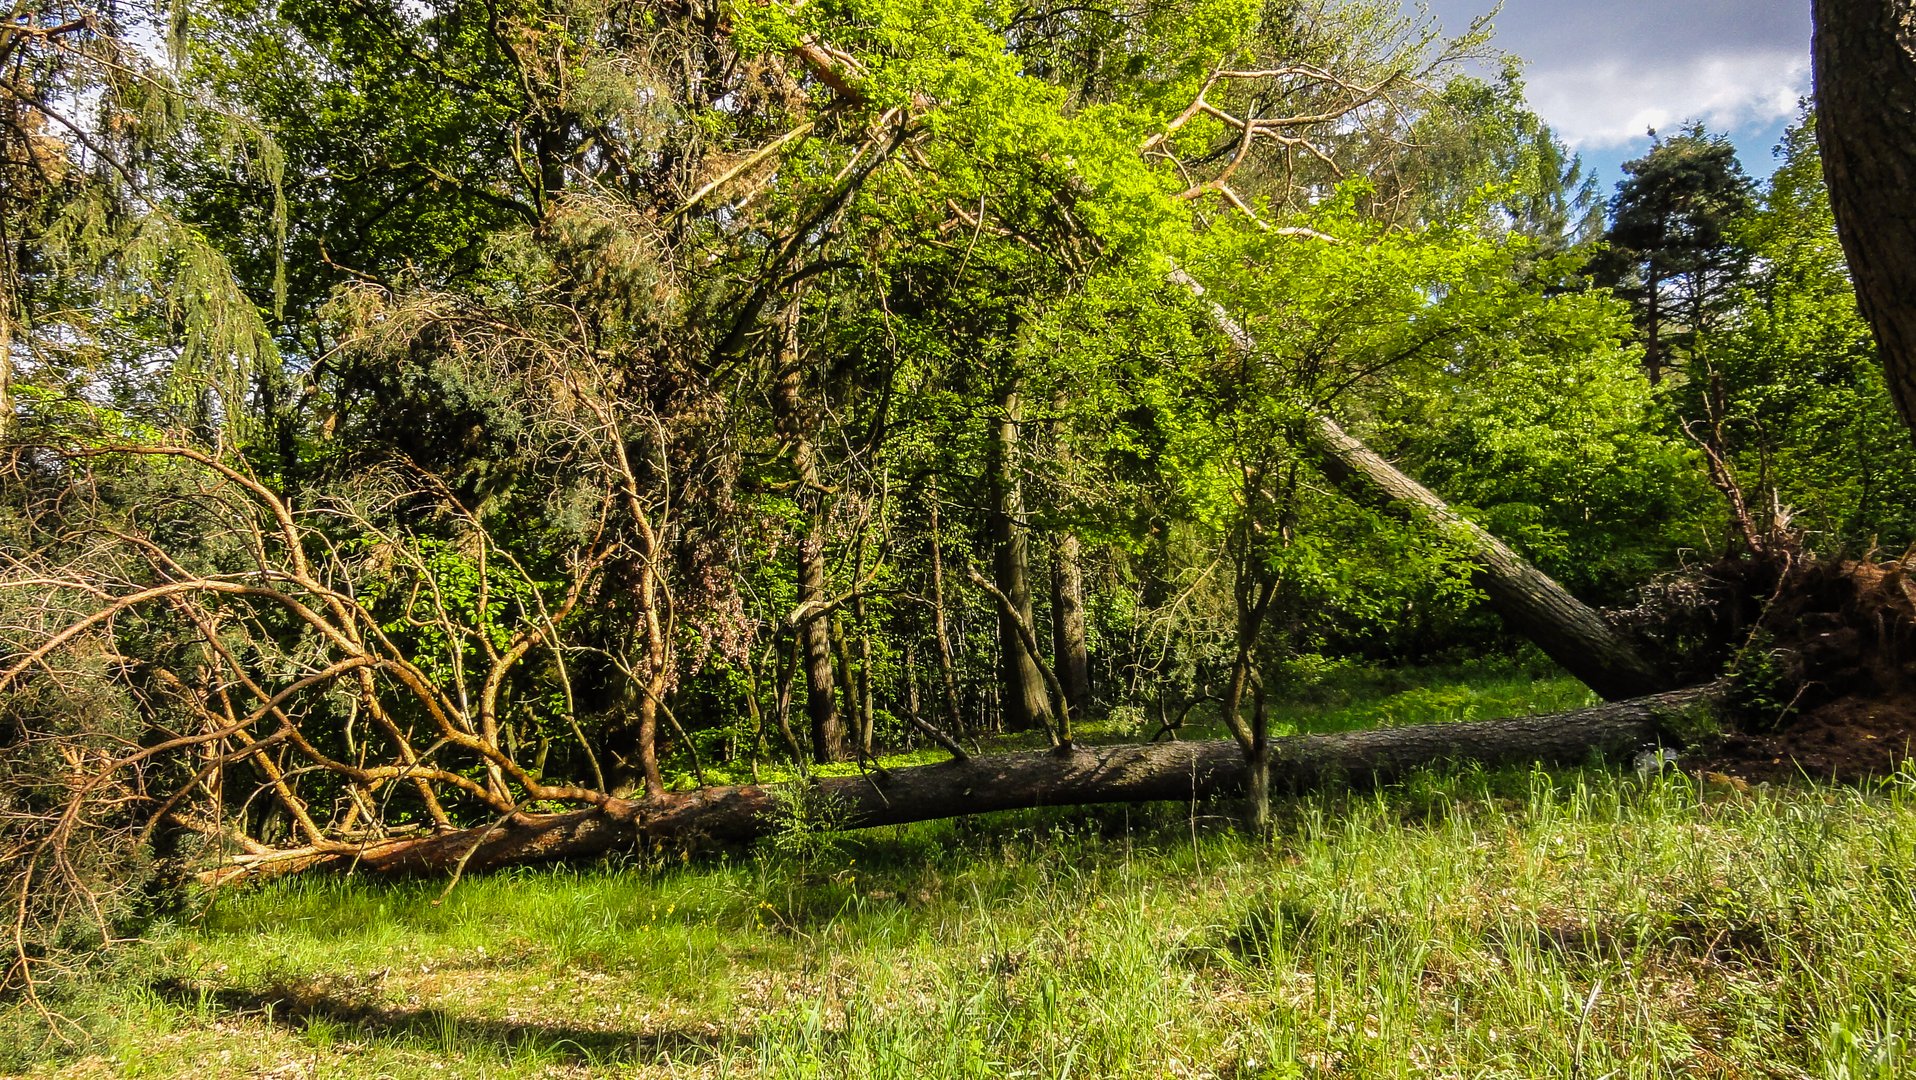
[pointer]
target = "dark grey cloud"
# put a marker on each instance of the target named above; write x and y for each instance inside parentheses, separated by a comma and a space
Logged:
(1600, 73)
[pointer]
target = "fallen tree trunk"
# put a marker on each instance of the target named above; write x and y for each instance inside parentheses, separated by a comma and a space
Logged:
(1531, 601)
(1132, 773)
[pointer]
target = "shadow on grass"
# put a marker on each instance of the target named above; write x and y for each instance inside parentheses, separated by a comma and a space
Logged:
(354, 1015)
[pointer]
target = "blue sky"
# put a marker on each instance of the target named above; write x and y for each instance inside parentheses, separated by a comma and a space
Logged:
(1601, 73)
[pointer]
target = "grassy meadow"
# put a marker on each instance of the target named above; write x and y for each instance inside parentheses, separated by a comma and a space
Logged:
(1582, 923)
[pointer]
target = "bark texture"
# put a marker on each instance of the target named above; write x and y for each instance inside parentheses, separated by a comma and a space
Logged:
(947, 668)
(1865, 71)
(1070, 645)
(1026, 703)
(6, 369)
(1533, 603)
(814, 631)
(1150, 772)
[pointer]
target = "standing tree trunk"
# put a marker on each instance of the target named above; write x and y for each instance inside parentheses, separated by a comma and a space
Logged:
(649, 734)
(821, 704)
(947, 667)
(867, 707)
(1534, 605)
(1070, 647)
(1253, 602)
(821, 692)
(1653, 329)
(859, 725)
(913, 721)
(659, 664)
(1068, 640)
(787, 674)
(650, 527)
(633, 739)
(1026, 704)
(6, 362)
(1865, 62)
(1257, 765)
(867, 704)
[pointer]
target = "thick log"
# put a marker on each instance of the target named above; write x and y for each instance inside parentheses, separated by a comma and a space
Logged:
(1531, 601)
(1864, 57)
(1078, 776)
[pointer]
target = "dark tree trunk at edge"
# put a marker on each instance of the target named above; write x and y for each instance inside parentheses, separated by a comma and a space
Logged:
(1865, 62)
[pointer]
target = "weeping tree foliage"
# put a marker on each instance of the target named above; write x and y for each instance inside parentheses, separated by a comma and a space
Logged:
(120, 315)
(107, 285)
(457, 434)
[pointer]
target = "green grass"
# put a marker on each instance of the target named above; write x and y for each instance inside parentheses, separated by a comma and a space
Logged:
(1578, 924)
(1347, 698)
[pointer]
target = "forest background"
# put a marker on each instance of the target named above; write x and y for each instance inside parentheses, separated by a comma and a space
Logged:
(419, 415)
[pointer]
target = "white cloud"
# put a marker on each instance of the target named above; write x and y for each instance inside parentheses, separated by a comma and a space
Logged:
(1610, 102)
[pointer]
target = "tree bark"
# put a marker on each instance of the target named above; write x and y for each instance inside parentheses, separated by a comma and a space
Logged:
(1653, 329)
(1864, 54)
(821, 704)
(947, 667)
(859, 725)
(649, 734)
(1069, 644)
(821, 692)
(1135, 773)
(1257, 783)
(1026, 704)
(867, 701)
(911, 685)
(787, 674)
(867, 706)
(1253, 602)
(6, 364)
(1533, 603)
(633, 741)
(1061, 731)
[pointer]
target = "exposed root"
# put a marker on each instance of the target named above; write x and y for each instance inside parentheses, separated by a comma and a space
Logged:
(1821, 656)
